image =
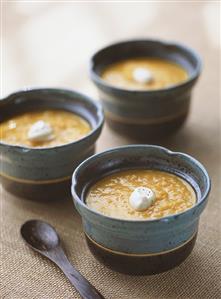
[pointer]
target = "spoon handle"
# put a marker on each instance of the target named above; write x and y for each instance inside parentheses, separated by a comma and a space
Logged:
(81, 284)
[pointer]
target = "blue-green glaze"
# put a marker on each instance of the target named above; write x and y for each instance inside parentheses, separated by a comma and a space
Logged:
(42, 164)
(154, 112)
(140, 236)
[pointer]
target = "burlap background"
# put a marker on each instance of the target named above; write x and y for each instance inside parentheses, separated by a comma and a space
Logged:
(25, 274)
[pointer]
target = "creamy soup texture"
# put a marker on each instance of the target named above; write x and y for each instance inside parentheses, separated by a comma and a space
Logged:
(110, 196)
(66, 127)
(144, 74)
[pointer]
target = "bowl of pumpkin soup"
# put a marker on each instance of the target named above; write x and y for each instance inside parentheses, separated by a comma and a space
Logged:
(44, 133)
(145, 86)
(140, 206)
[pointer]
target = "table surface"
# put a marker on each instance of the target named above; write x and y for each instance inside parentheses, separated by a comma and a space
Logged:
(43, 46)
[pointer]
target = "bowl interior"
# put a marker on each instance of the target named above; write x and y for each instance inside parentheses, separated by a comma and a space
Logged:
(40, 99)
(140, 157)
(180, 54)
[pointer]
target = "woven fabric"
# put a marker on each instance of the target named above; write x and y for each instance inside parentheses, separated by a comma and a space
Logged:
(27, 275)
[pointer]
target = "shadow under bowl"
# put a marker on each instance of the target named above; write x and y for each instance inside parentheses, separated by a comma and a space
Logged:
(140, 247)
(45, 173)
(146, 115)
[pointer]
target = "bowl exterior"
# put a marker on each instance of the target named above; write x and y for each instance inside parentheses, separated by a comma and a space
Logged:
(146, 116)
(152, 245)
(45, 173)
(148, 264)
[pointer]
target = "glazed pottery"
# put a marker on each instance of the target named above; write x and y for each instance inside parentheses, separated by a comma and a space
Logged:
(146, 114)
(44, 173)
(140, 246)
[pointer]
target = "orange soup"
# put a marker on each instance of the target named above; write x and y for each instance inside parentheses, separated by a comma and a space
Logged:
(54, 127)
(144, 74)
(110, 196)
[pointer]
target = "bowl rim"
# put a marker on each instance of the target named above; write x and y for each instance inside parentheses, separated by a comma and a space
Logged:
(115, 149)
(99, 81)
(99, 109)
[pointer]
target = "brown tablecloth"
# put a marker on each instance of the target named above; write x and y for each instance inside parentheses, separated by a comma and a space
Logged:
(25, 274)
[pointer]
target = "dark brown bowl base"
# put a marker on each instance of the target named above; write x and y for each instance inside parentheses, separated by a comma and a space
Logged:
(141, 264)
(147, 132)
(39, 192)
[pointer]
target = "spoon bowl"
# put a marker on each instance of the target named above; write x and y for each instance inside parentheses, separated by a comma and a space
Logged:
(40, 235)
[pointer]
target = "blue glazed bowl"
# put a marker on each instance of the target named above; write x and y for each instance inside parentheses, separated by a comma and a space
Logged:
(140, 246)
(146, 114)
(45, 173)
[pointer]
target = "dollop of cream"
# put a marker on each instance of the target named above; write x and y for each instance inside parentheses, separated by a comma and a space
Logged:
(40, 131)
(142, 75)
(141, 198)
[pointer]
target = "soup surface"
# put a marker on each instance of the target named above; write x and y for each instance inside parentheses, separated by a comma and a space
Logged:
(110, 196)
(66, 127)
(144, 74)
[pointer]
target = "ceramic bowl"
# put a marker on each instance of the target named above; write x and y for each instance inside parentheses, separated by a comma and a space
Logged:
(142, 114)
(140, 246)
(45, 173)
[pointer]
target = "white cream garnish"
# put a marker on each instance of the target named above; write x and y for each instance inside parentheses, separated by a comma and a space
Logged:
(142, 75)
(40, 131)
(141, 198)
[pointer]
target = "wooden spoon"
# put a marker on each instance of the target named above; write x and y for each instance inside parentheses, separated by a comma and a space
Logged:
(43, 238)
